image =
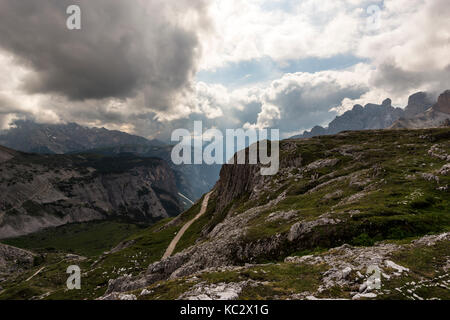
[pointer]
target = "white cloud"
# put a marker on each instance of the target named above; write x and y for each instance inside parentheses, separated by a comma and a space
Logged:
(245, 30)
(408, 53)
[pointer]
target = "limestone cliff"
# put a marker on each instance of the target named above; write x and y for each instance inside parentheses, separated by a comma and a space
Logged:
(39, 191)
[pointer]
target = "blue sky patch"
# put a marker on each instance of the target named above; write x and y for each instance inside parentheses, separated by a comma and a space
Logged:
(265, 69)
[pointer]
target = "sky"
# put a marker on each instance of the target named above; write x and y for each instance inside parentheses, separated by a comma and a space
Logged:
(149, 67)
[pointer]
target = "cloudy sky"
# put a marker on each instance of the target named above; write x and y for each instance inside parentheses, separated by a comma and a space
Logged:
(151, 66)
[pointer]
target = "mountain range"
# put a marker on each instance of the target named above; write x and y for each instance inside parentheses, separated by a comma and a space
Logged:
(41, 191)
(29, 136)
(416, 114)
(71, 138)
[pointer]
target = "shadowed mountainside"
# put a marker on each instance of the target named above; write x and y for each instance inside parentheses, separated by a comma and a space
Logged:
(39, 191)
(27, 136)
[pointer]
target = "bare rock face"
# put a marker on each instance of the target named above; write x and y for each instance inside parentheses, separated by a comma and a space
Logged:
(443, 104)
(14, 259)
(417, 103)
(235, 181)
(6, 154)
(40, 191)
(434, 117)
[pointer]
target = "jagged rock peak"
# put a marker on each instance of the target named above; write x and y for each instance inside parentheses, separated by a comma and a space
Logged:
(417, 103)
(443, 104)
(358, 107)
(387, 102)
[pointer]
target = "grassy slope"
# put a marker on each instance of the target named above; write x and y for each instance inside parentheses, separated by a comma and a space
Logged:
(401, 206)
(148, 246)
(397, 207)
(86, 239)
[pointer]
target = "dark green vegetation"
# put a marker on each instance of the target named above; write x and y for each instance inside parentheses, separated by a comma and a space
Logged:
(426, 264)
(85, 239)
(143, 247)
(146, 247)
(101, 163)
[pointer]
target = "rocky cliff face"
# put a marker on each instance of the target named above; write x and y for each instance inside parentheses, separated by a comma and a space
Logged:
(39, 191)
(443, 104)
(436, 116)
(417, 103)
(192, 180)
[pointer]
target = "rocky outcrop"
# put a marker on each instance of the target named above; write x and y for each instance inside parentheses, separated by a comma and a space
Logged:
(443, 104)
(38, 191)
(236, 181)
(417, 103)
(14, 260)
(220, 291)
(371, 116)
(436, 116)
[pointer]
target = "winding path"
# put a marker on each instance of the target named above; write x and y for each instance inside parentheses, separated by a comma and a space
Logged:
(180, 233)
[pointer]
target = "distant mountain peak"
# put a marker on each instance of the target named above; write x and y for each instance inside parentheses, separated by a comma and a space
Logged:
(29, 136)
(375, 116)
(436, 116)
(387, 103)
(443, 104)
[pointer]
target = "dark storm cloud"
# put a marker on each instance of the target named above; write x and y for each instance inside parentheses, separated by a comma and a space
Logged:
(122, 48)
(303, 106)
(396, 80)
